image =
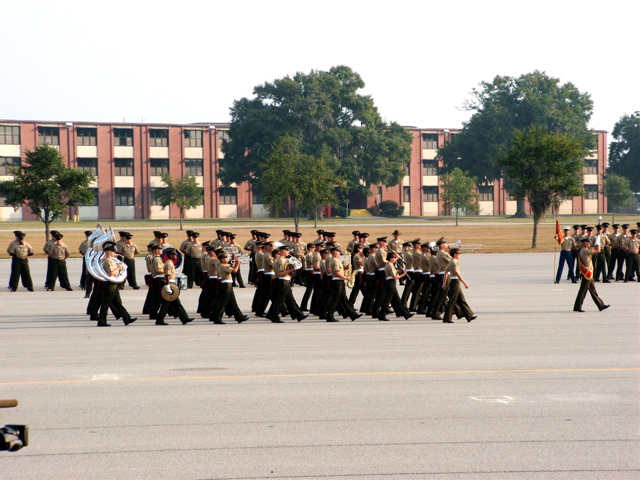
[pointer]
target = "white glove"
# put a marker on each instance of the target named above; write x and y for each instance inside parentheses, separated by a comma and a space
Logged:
(597, 242)
(167, 288)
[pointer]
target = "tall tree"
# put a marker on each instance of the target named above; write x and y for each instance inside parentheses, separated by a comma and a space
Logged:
(617, 189)
(46, 186)
(292, 177)
(459, 192)
(505, 104)
(325, 112)
(183, 192)
(544, 166)
(624, 150)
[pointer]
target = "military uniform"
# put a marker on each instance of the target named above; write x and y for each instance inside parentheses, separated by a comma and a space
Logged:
(633, 257)
(110, 297)
(456, 296)
(391, 296)
(176, 305)
(20, 251)
(585, 264)
(338, 298)
(226, 301)
(84, 247)
(58, 252)
(566, 247)
(283, 295)
(129, 251)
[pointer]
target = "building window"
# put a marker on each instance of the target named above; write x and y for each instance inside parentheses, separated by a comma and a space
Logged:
(123, 167)
(154, 192)
(122, 137)
(407, 169)
(86, 136)
(124, 197)
(7, 163)
(94, 202)
(591, 167)
(256, 195)
(159, 166)
(429, 168)
(430, 194)
(406, 194)
(159, 138)
(49, 135)
(193, 138)
(486, 193)
(430, 141)
(591, 192)
(88, 165)
(379, 194)
(9, 135)
(194, 167)
(228, 196)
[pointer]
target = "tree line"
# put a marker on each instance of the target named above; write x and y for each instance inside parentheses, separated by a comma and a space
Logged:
(313, 139)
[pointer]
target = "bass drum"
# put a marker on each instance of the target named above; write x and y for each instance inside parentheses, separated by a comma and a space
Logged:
(177, 262)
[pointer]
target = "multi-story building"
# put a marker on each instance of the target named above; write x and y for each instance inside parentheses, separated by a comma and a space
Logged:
(129, 159)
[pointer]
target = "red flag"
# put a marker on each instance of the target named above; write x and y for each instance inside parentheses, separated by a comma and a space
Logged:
(559, 232)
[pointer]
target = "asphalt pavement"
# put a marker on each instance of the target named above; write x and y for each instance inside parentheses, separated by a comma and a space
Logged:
(529, 390)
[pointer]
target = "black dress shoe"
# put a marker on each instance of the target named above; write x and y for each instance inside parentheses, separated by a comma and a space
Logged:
(274, 320)
(408, 316)
(30, 289)
(448, 321)
(131, 320)
(383, 319)
(437, 318)
(356, 317)
(581, 311)
(188, 320)
(472, 318)
(333, 320)
(243, 319)
(604, 307)
(162, 323)
(219, 322)
(104, 324)
(136, 288)
(69, 289)
(302, 317)
(12, 289)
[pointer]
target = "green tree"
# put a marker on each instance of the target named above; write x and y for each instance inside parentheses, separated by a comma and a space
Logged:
(506, 104)
(325, 112)
(459, 192)
(624, 150)
(183, 192)
(545, 167)
(618, 191)
(292, 177)
(46, 186)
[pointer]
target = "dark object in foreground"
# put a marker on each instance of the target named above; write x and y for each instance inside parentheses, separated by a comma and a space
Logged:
(13, 437)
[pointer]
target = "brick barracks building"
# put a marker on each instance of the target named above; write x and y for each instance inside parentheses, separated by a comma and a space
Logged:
(128, 160)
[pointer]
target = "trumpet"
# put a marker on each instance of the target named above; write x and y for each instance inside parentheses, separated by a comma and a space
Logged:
(467, 247)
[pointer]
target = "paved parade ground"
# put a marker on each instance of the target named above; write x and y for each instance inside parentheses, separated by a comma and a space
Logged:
(529, 390)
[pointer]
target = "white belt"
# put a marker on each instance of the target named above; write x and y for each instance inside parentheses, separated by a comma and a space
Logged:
(336, 278)
(371, 273)
(309, 269)
(317, 273)
(389, 278)
(360, 270)
(159, 276)
(433, 276)
(381, 269)
(261, 270)
(269, 273)
(454, 278)
(410, 270)
(213, 276)
(442, 272)
(417, 270)
(171, 280)
(284, 278)
(227, 281)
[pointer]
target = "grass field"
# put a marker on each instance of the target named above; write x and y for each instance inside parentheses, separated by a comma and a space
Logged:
(495, 234)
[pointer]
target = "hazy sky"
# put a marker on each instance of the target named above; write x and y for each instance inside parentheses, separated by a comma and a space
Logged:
(187, 61)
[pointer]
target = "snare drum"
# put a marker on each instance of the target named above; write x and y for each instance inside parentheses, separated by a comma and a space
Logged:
(181, 281)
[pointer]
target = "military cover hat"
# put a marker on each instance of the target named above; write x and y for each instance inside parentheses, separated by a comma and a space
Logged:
(415, 240)
(626, 225)
(396, 232)
(355, 232)
(407, 244)
(616, 225)
(605, 224)
(585, 239)
(157, 233)
(88, 232)
(189, 232)
(363, 235)
(440, 241)
(381, 239)
(633, 230)
(109, 247)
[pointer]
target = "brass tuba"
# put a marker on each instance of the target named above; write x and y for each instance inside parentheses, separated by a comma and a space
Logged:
(94, 256)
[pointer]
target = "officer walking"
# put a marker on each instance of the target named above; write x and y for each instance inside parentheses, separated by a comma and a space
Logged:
(19, 251)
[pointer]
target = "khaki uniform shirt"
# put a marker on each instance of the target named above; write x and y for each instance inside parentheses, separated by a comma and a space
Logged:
(358, 262)
(47, 246)
(59, 252)
(615, 239)
(20, 251)
(128, 250)
(395, 245)
(156, 264)
(381, 257)
(184, 246)
(109, 266)
(194, 250)
(425, 263)
(250, 246)
(259, 259)
(416, 261)
(351, 244)
(408, 260)
(390, 271)
(84, 246)
(632, 244)
(267, 262)
(433, 264)
(225, 271)
(298, 250)
(170, 270)
(452, 268)
(370, 265)
(443, 259)
(212, 266)
(336, 267)
(148, 260)
(567, 243)
(585, 256)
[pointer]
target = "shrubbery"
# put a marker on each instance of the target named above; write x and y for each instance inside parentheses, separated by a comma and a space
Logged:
(389, 208)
